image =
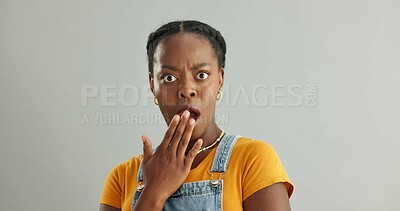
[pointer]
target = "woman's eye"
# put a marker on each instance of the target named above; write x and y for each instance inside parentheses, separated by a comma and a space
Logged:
(202, 75)
(169, 78)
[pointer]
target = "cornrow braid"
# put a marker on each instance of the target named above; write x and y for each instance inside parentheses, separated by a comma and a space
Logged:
(198, 28)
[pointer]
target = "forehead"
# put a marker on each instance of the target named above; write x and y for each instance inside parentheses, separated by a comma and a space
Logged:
(185, 49)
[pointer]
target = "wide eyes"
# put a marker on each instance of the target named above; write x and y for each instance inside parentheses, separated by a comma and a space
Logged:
(171, 78)
(202, 75)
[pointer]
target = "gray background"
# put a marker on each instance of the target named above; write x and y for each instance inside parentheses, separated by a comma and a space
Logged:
(341, 154)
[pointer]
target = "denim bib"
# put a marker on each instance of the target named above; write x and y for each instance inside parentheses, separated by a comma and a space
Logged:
(200, 195)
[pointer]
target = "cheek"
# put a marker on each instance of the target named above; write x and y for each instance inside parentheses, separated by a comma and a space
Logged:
(208, 94)
(157, 86)
(166, 95)
(167, 102)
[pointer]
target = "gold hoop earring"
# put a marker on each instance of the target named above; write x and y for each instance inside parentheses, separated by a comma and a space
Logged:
(155, 100)
(219, 96)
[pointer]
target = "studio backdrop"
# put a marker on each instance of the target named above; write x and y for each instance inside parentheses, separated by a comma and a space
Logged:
(318, 80)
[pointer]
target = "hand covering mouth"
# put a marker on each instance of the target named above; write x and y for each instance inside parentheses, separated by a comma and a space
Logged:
(194, 112)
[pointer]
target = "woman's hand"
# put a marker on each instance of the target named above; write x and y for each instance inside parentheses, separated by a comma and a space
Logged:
(166, 170)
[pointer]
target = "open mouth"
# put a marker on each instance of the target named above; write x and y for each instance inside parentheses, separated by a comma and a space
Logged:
(194, 112)
(195, 115)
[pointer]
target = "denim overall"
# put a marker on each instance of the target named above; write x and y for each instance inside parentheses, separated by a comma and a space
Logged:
(200, 195)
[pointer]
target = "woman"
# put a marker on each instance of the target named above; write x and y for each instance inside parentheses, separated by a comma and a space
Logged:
(197, 166)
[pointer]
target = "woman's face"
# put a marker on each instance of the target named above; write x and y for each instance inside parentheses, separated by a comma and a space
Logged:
(186, 77)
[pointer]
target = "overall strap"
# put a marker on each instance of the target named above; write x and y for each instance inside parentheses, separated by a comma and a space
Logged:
(140, 174)
(223, 154)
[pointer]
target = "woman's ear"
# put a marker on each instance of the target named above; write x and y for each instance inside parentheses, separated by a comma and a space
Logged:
(221, 77)
(151, 82)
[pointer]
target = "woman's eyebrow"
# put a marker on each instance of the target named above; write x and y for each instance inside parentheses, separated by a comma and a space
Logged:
(195, 67)
(198, 66)
(165, 66)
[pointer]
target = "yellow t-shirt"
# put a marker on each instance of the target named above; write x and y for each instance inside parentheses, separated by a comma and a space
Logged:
(253, 165)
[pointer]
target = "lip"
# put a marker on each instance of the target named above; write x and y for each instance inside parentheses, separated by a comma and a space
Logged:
(194, 112)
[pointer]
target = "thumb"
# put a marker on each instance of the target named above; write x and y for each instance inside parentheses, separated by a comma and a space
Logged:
(147, 148)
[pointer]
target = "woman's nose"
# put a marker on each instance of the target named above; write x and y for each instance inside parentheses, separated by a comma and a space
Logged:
(187, 90)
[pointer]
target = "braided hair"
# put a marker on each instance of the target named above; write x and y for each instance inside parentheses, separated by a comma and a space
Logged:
(190, 26)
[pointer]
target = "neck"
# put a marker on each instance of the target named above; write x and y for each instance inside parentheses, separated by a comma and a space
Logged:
(210, 134)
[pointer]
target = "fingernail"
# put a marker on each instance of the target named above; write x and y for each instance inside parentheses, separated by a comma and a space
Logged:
(175, 118)
(191, 122)
(186, 114)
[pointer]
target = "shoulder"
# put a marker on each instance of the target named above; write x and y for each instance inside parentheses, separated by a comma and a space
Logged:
(247, 147)
(114, 187)
(260, 165)
(130, 165)
(125, 170)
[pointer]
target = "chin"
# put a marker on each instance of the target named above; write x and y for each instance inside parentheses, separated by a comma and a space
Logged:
(200, 127)
(197, 132)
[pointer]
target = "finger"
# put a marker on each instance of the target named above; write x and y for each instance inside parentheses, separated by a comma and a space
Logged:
(185, 138)
(193, 152)
(179, 131)
(170, 132)
(147, 148)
